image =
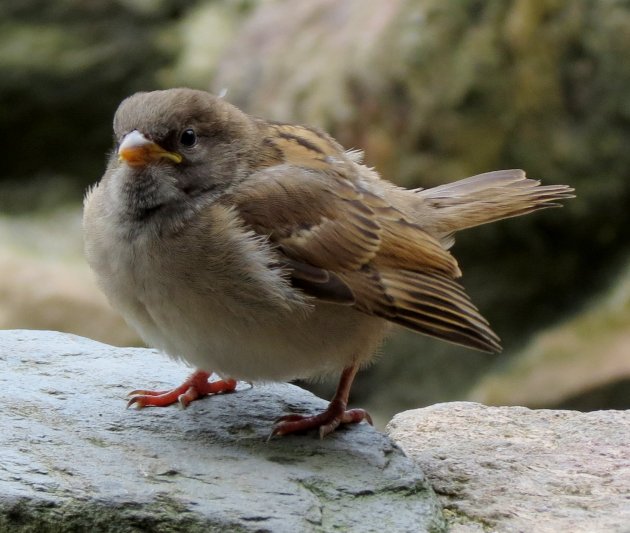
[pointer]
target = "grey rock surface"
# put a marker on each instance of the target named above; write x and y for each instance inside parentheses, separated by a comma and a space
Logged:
(73, 459)
(512, 469)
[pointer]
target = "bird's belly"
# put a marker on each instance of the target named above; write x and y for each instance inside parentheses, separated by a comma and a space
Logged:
(268, 345)
(235, 330)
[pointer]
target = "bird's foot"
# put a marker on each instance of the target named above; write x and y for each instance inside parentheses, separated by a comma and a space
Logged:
(326, 422)
(196, 386)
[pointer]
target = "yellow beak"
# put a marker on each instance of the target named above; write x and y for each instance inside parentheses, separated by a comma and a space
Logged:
(137, 151)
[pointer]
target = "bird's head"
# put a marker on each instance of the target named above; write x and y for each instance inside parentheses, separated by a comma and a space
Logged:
(178, 144)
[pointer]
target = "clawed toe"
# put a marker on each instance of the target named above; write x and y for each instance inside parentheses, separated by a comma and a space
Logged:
(142, 392)
(288, 418)
(196, 386)
(330, 419)
(325, 422)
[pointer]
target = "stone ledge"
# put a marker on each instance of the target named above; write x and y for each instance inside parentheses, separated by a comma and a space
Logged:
(73, 459)
(512, 469)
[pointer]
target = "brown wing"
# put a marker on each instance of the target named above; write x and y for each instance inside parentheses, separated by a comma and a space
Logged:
(428, 302)
(346, 244)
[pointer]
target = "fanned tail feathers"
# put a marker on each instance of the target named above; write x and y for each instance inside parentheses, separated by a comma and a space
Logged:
(484, 198)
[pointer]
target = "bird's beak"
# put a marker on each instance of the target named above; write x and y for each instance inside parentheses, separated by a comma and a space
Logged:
(137, 151)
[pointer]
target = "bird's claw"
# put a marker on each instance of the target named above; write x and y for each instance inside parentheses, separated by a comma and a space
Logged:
(196, 386)
(325, 422)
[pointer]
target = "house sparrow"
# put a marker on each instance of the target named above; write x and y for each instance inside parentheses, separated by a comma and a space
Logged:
(264, 251)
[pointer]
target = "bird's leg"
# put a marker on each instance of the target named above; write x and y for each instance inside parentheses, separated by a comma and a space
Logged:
(332, 417)
(195, 386)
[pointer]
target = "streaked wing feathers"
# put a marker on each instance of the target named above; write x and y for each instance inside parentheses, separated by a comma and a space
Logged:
(428, 302)
(343, 243)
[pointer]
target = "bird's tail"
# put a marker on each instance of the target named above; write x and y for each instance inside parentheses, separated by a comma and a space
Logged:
(484, 198)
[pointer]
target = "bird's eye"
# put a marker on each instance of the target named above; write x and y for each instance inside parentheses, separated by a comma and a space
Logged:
(188, 137)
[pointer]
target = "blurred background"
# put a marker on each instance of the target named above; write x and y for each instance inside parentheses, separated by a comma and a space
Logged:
(432, 90)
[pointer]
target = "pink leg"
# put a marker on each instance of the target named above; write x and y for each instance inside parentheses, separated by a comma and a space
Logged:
(196, 386)
(332, 417)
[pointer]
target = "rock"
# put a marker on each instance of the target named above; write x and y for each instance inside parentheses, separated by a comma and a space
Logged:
(586, 353)
(511, 469)
(75, 456)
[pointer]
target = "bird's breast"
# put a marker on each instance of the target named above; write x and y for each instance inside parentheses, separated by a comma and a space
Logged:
(211, 295)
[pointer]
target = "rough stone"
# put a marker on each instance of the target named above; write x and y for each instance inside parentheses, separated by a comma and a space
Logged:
(512, 469)
(73, 459)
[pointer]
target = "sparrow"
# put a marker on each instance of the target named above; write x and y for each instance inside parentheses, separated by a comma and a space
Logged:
(263, 251)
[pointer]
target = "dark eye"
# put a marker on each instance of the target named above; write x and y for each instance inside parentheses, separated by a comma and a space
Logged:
(188, 137)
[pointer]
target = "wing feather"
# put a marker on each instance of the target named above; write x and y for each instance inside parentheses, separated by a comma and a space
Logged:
(428, 302)
(344, 243)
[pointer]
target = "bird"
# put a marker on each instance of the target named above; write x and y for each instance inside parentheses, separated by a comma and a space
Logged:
(264, 251)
